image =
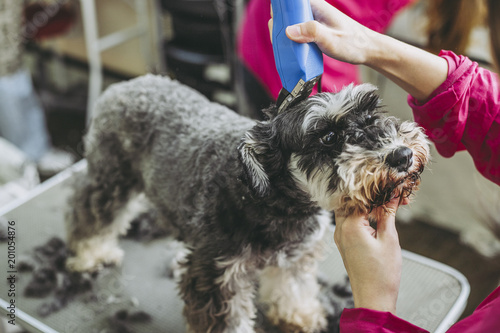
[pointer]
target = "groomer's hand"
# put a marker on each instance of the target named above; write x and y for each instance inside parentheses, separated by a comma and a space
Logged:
(336, 34)
(418, 72)
(372, 258)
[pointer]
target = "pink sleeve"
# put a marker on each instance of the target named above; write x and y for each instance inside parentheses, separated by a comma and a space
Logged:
(483, 319)
(464, 114)
(362, 320)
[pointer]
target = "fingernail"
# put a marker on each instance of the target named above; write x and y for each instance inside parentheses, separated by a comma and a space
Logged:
(293, 31)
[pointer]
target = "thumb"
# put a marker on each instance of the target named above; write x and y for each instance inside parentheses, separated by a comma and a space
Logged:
(392, 206)
(386, 223)
(306, 32)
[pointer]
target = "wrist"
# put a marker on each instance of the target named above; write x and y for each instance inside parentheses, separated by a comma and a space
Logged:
(382, 304)
(379, 51)
(418, 72)
(377, 296)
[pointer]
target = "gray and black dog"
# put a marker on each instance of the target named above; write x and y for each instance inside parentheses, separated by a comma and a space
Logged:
(243, 195)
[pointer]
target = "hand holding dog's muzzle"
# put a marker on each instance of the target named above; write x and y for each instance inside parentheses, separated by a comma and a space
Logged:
(372, 257)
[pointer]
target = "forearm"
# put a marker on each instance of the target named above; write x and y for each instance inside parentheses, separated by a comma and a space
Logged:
(416, 71)
(340, 37)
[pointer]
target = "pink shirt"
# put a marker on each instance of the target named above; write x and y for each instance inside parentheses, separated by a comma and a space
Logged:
(484, 319)
(464, 114)
(255, 49)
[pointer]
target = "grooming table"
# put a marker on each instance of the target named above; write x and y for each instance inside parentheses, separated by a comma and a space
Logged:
(432, 295)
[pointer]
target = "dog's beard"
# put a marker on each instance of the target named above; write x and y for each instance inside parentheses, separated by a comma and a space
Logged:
(363, 183)
(401, 189)
(404, 186)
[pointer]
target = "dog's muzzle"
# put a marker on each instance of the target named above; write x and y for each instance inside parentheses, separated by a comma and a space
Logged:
(400, 159)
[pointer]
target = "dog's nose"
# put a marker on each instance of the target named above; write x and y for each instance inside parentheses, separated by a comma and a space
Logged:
(401, 158)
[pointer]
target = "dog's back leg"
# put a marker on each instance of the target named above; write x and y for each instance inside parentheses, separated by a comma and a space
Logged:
(105, 201)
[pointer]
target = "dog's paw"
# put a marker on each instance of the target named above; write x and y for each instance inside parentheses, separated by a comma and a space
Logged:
(92, 254)
(306, 320)
(75, 264)
(89, 263)
(307, 327)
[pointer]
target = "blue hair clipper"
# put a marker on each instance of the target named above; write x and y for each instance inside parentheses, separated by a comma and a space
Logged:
(299, 66)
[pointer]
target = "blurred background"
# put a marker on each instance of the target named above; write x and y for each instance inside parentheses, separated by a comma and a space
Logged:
(59, 55)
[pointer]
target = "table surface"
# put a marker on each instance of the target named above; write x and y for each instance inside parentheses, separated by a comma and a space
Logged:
(432, 295)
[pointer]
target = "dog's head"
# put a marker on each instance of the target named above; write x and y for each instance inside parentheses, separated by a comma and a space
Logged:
(339, 148)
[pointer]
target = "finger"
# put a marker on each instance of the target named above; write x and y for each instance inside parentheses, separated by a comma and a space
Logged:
(325, 13)
(339, 229)
(392, 206)
(270, 26)
(319, 5)
(389, 208)
(340, 220)
(386, 223)
(306, 32)
(336, 236)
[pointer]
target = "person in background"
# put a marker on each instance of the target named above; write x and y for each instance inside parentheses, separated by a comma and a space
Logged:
(458, 104)
(22, 119)
(256, 69)
(450, 23)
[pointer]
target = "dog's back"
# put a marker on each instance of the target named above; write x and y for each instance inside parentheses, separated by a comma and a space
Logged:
(156, 135)
(154, 107)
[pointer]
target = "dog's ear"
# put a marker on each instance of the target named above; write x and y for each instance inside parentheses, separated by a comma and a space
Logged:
(366, 96)
(270, 112)
(253, 151)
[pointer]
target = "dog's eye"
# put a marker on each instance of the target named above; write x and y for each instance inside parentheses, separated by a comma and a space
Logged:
(328, 139)
(369, 119)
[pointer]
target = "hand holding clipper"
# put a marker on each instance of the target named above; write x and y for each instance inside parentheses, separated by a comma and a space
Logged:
(299, 66)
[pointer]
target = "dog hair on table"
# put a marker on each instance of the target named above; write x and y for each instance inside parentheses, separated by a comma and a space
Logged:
(244, 196)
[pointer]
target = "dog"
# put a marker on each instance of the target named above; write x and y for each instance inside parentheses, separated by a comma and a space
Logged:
(244, 196)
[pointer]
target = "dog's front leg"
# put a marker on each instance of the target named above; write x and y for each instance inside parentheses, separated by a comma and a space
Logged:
(291, 294)
(218, 293)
